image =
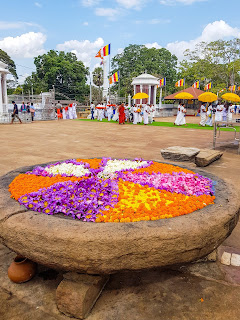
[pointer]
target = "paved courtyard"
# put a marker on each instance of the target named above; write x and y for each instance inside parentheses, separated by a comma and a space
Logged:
(172, 294)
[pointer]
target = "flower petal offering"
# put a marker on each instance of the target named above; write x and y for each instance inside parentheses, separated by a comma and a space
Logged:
(112, 190)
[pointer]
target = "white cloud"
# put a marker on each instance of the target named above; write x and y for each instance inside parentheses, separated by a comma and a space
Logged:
(110, 13)
(85, 23)
(90, 3)
(5, 25)
(85, 50)
(174, 2)
(28, 45)
(120, 50)
(153, 45)
(37, 4)
(131, 4)
(212, 32)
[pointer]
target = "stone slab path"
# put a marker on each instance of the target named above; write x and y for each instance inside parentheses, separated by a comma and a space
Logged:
(155, 294)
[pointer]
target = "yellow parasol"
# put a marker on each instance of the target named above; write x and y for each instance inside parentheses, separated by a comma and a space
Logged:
(207, 97)
(231, 97)
(183, 95)
(140, 95)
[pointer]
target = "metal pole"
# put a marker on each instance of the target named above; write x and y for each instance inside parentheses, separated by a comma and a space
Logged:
(90, 98)
(22, 94)
(160, 99)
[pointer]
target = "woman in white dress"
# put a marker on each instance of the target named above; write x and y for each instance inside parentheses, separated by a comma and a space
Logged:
(209, 116)
(74, 110)
(146, 112)
(218, 113)
(230, 112)
(180, 120)
(64, 114)
(70, 111)
(203, 115)
(135, 114)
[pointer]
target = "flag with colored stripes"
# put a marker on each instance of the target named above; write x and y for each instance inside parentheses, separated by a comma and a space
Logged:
(115, 77)
(196, 85)
(208, 86)
(107, 50)
(162, 82)
(238, 88)
(103, 52)
(180, 83)
(232, 88)
(222, 90)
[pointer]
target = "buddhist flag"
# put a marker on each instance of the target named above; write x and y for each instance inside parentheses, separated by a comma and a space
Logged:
(162, 82)
(238, 88)
(107, 50)
(99, 54)
(103, 52)
(115, 77)
(180, 83)
(232, 88)
(196, 85)
(222, 90)
(208, 86)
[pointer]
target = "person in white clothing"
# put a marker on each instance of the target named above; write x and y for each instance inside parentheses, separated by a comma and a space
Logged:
(203, 115)
(180, 120)
(74, 110)
(127, 112)
(209, 115)
(109, 111)
(99, 106)
(64, 113)
(152, 113)
(135, 114)
(146, 112)
(218, 113)
(231, 110)
(70, 113)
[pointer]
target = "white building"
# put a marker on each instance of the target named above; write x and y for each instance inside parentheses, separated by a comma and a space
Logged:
(148, 84)
(3, 91)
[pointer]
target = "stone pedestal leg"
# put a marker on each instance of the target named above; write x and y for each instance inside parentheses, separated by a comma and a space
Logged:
(77, 293)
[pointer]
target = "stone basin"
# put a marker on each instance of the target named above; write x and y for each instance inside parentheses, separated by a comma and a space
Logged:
(105, 248)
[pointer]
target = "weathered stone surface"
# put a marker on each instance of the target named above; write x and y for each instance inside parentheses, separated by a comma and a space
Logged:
(177, 153)
(226, 258)
(235, 260)
(207, 156)
(105, 248)
(77, 294)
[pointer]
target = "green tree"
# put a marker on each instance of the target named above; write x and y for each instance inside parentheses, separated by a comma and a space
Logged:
(217, 61)
(64, 71)
(98, 81)
(4, 57)
(137, 59)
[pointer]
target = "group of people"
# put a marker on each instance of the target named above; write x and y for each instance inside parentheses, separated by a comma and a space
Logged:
(68, 112)
(222, 112)
(25, 108)
(123, 112)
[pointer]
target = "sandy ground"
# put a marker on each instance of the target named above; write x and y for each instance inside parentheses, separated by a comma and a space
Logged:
(154, 294)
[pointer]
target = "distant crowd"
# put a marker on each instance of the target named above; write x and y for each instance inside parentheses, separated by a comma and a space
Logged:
(208, 113)
(68, 112)
(123, 113)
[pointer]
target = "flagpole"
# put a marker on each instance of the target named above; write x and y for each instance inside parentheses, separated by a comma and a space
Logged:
(160, 99)
(119, 86)
(109, 87)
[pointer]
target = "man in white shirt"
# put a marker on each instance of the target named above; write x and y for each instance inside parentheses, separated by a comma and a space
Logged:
(109, 111)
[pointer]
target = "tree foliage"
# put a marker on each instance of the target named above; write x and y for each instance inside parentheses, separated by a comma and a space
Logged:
(4, 57)
(61, 70)
(217, 61)
(137, 59)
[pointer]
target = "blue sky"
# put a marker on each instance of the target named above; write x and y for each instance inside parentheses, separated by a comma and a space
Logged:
(29, 28)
